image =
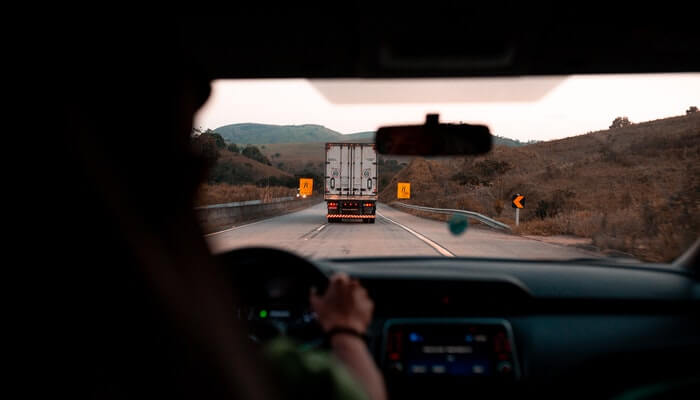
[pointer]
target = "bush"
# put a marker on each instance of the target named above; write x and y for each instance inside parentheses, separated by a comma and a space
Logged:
(620, 122)
(490, 168)
(285, 181)
(691, 110)
(559, 201)
(254, 153)
(228, 173)
(205, 145)
(233, 148)
(464, 179)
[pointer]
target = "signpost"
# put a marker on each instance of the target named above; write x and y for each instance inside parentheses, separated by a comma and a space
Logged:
(517, 202)
(403, 190)
(306, 186)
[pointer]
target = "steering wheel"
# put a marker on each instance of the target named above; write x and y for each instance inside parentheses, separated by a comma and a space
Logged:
(267, 280)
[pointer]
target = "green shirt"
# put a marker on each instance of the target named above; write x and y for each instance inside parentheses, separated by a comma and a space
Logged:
(311, 374)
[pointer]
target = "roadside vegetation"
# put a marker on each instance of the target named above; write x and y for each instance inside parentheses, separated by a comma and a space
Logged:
(244, 172)
(634, 188)
(225, 193)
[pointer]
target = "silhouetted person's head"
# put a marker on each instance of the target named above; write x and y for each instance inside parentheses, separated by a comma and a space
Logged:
(149, 316)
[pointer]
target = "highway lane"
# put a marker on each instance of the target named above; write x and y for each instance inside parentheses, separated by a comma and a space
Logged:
(395, 233)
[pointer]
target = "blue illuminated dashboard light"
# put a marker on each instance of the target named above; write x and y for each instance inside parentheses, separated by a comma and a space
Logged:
(469, 338)
(414, 337)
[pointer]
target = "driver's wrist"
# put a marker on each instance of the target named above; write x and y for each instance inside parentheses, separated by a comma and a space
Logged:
(338, 322)
(345, 339)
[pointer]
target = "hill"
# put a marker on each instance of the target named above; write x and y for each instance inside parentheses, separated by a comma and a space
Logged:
(504, 141)
(249, 133)
(358, 137)
(634, 189)
(235, 177)
(255, 170)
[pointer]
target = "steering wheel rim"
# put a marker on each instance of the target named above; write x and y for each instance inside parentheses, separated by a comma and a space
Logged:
(253, 269)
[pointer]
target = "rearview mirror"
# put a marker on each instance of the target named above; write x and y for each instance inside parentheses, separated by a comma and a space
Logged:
(433, 139)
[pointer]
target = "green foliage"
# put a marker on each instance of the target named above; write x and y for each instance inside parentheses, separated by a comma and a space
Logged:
(205, 145)
(229, 173)
(233, 148)
(286, 181)
(504, 141)
(215, 137)
(254, 153)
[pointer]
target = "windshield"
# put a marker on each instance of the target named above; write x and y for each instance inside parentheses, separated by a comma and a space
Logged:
(582, 167)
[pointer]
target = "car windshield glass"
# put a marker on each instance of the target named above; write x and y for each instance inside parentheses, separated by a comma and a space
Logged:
(581, 167)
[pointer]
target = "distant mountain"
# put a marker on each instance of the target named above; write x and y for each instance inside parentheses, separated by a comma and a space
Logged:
(358, 137)
(251, 133)
(504, 141)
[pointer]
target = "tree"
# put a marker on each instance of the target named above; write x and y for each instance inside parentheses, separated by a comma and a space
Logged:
(691, 110)
(211, 135)
(254, 153)
(233, 148)
(620, 122)
(205, 145)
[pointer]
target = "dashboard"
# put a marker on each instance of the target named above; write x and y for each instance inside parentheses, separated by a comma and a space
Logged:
(495, 327)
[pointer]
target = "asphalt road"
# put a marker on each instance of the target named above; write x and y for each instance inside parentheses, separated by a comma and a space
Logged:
(394, 233)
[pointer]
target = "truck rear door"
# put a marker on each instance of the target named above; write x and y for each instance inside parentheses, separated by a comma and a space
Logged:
(333, 186)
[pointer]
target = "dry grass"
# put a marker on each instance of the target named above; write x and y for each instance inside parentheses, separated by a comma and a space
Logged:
(224, 193)
(296, 156)
(634, 189)
(256, 169)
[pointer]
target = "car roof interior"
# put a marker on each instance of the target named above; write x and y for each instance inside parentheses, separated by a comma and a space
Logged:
(456, 40)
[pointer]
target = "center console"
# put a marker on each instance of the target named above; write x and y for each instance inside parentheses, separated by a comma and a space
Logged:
(480, 350)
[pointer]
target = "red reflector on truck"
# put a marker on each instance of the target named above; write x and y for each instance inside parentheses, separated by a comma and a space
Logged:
(350, 216)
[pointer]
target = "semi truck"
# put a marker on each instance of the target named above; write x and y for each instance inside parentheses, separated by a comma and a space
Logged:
(351, 182)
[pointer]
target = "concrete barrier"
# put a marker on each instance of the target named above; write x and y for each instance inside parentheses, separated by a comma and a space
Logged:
(217, 217)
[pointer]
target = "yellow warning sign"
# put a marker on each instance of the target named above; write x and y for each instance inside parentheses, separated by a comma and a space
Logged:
(306, 186)
(404, 190)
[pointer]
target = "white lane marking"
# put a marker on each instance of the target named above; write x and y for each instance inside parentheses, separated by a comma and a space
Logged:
(427, 241)
(316, 230)
(234, 228)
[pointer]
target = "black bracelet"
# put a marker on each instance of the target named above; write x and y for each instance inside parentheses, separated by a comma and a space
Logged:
(349, 331)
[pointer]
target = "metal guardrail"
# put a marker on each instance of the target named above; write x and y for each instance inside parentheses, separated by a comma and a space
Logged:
(246, 203)
(470, 214)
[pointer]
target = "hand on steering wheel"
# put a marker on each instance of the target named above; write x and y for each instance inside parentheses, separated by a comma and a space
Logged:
(345, 305)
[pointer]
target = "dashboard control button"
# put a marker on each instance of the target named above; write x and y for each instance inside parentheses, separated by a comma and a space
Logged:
(504, 367)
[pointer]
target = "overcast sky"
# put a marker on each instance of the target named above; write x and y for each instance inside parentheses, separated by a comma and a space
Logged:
(520, 108)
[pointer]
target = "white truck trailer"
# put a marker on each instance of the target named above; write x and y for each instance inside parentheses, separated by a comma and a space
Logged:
(351, 181)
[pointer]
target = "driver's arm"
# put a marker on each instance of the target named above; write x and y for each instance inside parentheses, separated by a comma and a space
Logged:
(346, 305)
